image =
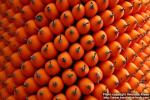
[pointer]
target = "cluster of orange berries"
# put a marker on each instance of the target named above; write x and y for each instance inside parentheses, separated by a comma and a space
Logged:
(73, 49)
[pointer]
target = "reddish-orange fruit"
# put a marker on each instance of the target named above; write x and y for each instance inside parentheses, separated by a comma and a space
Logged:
(67, 18)
(122, 75)
(56, 26)
(62, 5)
(52, 67)
(9, 68)
(31, 97)
(24, 52)
(136, 6)
(2, 61)
(11, 97)
(34, 43)
(25, 1)
(102, 5)
(18, 20)
(124, 88)
(143, 55)
(27, 69)
(18, 77)
(11, 29)
(76, 51)
(113, 3)
(16, 60)
(136, 47)
(72, 34)
(146, 27)
(30, 27)
(107, 17)
(138, 61)
(41, 20)
(111, 82)
(96, 23)
(147, 62)
(146, 91)
(131, 68)
(74, 2)
(133, 82)
(20, 93)
(95, 74)
(115, 48)
(131, 21)
(78, 11)
(139, 19)
(144, 6)
(2, 45)
(3, 76)
(60, 96)
(91, 58)
(107, 68)
(118, 12)
(121, 25)
(47, 1)
(139, 75)
(44, 94)
(87, 42)
(41, 77)
(10, 85)
(100, 38)
(48, 50)
(7, 52)
(111, 32)
(134, 35)
(69, 77)
(21, 35)
(103, 53)
(37, 60)
(145, 16)
(37, 5)
(13, 44)
(61, 43)
(140, 88)
(1, 29)
(146, 50)
(86, 86)
(115, 91)
(91, 8)
(99, 90)
(145, 69)
(51, 11)
(4, 22)
(27, 12)
(90, 97)
(129, 55)
(147, 77)
(146, 39)
(56, 84)
(128, 8)
(5, 36)
(142, 43)
(4, 93)
(81, 68)
(30, 86)
(83, 26)
(45, 35)
(64, 60)
(3, 8)
(9, 13)
(73, 93)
